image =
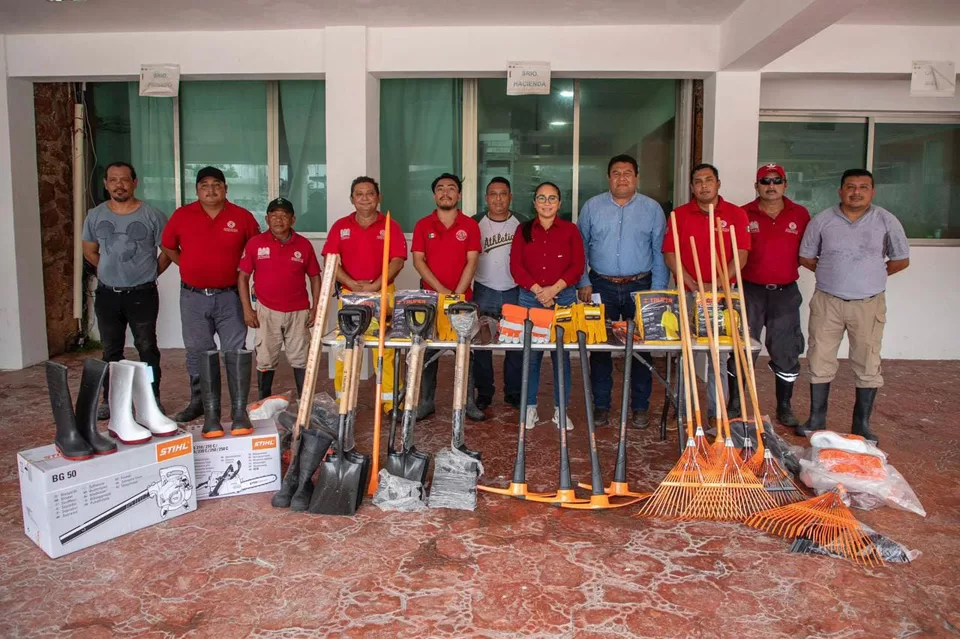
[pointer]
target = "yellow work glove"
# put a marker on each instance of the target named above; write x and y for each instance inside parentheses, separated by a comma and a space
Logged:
(564, 316)
(445, 332)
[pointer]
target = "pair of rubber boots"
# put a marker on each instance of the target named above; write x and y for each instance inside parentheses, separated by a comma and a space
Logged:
(296, 490)
(862, 409)
(239, 365)
(784, 400)
(428, 391)
(265, 382)
(77, 437)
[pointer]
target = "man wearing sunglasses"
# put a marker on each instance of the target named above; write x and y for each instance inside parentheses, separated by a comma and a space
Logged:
(776, 226)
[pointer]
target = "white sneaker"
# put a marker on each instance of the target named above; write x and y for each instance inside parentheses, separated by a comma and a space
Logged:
(556, 419)
(532, 418)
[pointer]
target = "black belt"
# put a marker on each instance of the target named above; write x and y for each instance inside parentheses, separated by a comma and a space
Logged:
(207, 291)
(622, 279)
(771, 287)
(127, 289)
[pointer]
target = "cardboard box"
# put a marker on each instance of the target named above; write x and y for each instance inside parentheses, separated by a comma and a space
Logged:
(242, 465)
(70, 505)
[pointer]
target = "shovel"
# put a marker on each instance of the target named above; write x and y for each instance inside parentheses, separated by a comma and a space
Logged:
(463, 319)
(407, 462)
(349, 441)
(339, 483)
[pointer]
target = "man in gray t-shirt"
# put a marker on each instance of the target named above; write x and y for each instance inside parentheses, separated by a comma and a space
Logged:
(120, 239)
(852, 247)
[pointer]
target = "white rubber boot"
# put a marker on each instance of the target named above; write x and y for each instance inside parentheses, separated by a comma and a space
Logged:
(148, 413)
(122, 425)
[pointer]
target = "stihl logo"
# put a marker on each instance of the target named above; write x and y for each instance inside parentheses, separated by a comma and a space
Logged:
(170, 450)
(264, 443)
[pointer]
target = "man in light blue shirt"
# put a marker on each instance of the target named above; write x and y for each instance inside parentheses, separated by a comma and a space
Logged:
(622, 235)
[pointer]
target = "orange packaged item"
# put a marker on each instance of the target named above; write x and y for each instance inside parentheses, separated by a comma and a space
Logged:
(856, 464)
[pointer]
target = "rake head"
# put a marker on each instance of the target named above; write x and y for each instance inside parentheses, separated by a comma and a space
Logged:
(778, 482)
(678, 488)
(730, 492)
(827, 521)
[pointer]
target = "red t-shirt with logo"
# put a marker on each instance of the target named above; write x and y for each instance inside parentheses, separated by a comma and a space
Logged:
(210, 248)
(361, 249)
(774, 256)
(445, 249)
(694, 222)
(280, 270)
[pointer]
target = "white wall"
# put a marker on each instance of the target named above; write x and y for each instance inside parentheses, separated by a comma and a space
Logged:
(843, 93)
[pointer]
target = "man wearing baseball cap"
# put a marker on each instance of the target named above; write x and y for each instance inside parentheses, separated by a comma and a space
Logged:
(206, 239)
(776, 226)
(282, 260)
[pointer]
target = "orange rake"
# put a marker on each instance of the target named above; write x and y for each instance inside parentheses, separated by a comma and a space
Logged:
(825, 520)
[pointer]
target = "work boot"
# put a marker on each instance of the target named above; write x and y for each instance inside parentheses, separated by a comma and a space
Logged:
(239, 365)
(291, 481)
(640, 419)
(861, 414)
(601, 417)
(265, 384)
(193, 410)
(122, 424)
(428, 390)
(784, 411)
(733, 399)
(94, 372)
(68, 440)
(819, 398)
(209, 366)
(149, 414)
(313, 448)
(298, 376)
(473, 412)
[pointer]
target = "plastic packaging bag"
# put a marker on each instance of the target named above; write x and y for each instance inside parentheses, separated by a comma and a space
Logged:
(269, 407)
(658, 316)
(454, 480)
(890, 550)
(403, 299)
(366, 299)
(865, 493)
(397, 493)
(324, 412)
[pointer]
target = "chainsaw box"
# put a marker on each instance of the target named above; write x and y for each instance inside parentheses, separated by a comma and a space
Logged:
(69, 505)
(228, 466)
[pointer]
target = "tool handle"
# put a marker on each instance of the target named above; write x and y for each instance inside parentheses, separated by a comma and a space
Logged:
(566, 481)
(723, 430)
(419, 318)
(519, 464)
(747, 350)
(596, 479)
(395, 413)
(620, 471)
(686, 340)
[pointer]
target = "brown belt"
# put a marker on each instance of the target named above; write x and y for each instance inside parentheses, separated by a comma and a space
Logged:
(625, 279)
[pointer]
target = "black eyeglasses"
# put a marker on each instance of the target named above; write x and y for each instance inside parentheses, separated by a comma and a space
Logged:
(766, 181)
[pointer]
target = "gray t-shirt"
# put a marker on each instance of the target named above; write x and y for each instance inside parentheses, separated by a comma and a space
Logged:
(852, 255)
(128, 243)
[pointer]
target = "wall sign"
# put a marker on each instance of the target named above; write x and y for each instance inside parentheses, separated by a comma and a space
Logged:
(160, 80)
(528, 78)
(933, 79)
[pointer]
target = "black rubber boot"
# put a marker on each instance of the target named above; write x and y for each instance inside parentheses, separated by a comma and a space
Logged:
(784, 396)
(239, 365)
(264, 384)
(281, 499)
(428, 390)
(194, 409)
(861, 414)
(298, 375)
(472, 411)
(313, 448)
(94, 372)
(733, 396)
(210, 394)
(819, 397)
(68, 440)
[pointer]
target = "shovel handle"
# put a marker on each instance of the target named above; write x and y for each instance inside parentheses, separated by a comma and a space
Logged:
(419, 318)
(350, 321)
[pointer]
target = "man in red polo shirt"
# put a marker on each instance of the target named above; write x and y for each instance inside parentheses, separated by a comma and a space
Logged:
(281, 260)
(358, 240)
(776, 226)
(693, 221)
(206, 239)
(446, 251)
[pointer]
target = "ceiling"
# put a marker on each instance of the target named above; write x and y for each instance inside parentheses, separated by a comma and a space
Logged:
(85, 16)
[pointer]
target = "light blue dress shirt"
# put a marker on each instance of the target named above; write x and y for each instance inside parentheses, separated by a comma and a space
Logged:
(624, 240)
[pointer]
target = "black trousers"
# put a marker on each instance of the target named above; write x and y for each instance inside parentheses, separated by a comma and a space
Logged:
(138, 310)
(778, 311)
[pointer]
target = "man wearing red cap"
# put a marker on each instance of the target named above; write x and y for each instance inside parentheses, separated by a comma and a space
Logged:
(776, 226)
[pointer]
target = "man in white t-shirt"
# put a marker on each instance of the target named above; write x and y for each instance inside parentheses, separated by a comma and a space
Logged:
(493, 286)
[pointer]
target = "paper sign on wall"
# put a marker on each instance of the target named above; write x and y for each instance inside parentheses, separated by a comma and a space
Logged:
(528, 78)
(933, 79)
(160, 80)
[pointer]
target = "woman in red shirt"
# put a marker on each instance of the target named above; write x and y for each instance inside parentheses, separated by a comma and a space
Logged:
(546, 261)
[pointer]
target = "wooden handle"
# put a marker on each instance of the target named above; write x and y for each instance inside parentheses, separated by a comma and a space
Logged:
(723, 426)
(748, 350)
(685, 344)
(461, 375)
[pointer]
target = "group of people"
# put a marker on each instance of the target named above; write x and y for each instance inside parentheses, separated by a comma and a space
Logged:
(620, 245)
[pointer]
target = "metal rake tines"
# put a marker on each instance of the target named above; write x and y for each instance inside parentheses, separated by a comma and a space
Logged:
(730, 492)
(677, 489)
(778, 482)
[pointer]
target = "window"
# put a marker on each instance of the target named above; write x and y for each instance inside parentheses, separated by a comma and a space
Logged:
(815, 155)
(223, 124)
(527, 139)
(420, 138)
(917, 172)
(636, 117)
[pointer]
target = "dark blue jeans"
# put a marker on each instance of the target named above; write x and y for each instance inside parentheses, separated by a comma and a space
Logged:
(529, 300)
(618, 305)
(490, 302)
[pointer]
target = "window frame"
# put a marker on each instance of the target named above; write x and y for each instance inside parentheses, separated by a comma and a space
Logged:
(870, 119)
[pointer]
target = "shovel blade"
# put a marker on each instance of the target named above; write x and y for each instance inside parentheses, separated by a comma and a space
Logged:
(365, 461)
(410, 465)
(338, 487)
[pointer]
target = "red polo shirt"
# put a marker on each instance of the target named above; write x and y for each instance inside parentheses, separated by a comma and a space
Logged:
(692, 221)
(210, 248)
(551, 254)
(281, 270)
(361, 249)
(774, 256)
(445, 249)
